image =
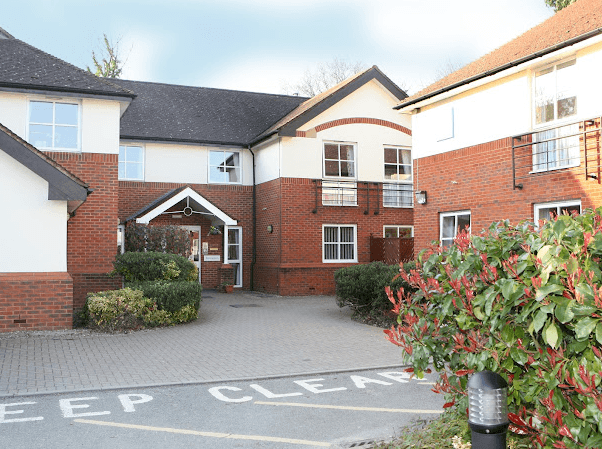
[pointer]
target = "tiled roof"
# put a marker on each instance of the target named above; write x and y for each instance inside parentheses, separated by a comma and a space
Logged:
(25, 67)
(334, 94)
(577, 21)
(166, 112)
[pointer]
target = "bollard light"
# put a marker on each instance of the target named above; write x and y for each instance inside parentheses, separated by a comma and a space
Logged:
(488, 410)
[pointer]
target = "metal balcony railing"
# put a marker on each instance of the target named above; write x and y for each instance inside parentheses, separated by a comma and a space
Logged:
(370, 195)
(574, 146)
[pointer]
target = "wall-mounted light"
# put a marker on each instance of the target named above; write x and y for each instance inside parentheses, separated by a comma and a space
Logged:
(270, 229)
(488, 410)
(421, 196)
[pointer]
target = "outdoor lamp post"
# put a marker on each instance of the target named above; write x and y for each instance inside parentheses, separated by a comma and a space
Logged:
(488, 410)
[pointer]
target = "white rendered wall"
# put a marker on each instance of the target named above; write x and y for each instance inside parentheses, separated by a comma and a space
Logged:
(33, 230)
(99, 120)
(301, 157)
(100, 126)
(186, 163)
(504, 107)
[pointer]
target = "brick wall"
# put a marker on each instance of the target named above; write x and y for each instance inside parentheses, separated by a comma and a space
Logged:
(92, 232)
(40, 301)
(479, 179)
(289, 260)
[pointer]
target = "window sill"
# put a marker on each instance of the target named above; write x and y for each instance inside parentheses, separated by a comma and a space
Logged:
(339, 261)
(398, 207)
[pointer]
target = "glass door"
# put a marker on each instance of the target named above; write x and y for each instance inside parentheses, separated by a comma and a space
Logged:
(234, 252)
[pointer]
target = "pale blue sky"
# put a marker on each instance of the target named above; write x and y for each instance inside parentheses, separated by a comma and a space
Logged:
(258, 45)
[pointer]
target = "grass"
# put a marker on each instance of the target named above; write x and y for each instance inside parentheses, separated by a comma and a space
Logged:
(449, 431)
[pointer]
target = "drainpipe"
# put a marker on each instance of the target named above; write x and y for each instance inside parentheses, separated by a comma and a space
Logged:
(254, 250)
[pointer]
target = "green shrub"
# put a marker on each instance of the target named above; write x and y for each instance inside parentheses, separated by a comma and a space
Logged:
(163, 239)
(154, 266)
(522, 302)
(362, 287)
(171, 296)
(118, 310)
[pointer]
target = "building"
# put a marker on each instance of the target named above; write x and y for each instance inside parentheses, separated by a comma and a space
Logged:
(296, 188)
(515, 134)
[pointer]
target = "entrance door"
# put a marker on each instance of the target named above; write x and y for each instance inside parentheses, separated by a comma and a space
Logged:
(195, 246)
(234, 242)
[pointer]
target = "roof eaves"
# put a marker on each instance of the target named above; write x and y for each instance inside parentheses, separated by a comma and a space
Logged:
(501, 68)
(183, 141)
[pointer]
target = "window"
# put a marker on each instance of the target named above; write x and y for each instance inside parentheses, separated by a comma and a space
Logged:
(225, 167)
(545, 210)
(398, 231)
(339, 243)
(450, 224)
(555, 96)
(120, 239)
(54, 125)
(131, 162)
(339, 162)
(555, 99)
(398, 169)
(234, 253)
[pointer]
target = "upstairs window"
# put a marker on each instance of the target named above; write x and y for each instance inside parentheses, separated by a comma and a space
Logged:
(556, 100)
(555, 92)
(397, 188)
(131, 162)
(339, 160)
(451, 223)
(225, 167)
(54, 125)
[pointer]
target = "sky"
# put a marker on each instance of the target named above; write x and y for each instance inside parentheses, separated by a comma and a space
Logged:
(262, 45)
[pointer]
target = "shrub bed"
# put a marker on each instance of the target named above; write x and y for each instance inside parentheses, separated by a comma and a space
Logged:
(523, 302)
(362, 287)
(171, 296)
(119, 310)
(154, 266)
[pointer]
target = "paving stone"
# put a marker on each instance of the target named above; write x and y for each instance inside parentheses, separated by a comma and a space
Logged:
(277, 336)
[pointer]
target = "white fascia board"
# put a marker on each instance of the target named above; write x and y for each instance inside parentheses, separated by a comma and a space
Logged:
(188, 192)
(538, 61)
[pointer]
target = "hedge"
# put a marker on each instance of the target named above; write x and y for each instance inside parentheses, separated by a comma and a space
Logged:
(171, 296)
(154, 266)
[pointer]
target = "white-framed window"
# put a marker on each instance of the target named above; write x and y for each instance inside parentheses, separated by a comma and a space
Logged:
(555, 101)
(233, 243)
(225, 167)
(339, 243)
(450, 224)
(397, 188)
(54, 125)
(395, 231)
(120, 239)
(339, 162)
(131, 162)
(543, 211)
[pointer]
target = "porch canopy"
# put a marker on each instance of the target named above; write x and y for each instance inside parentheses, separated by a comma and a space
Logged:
(187, 202)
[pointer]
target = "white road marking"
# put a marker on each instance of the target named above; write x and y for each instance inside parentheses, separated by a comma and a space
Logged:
(205, 434)
(345, 407)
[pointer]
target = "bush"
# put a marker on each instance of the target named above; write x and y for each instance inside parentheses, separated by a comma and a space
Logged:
(123, 309)
(362, 287)
(154, 266)
(163, 239)
(522, 302)
(171, 296)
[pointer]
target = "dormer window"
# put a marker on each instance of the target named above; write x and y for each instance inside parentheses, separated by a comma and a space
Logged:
(54, 125)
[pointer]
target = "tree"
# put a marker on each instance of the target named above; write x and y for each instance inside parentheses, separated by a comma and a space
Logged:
(110, 66)
(559, 4)
(323, 77)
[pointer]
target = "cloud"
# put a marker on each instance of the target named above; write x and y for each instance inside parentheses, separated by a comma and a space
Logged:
(143, 52)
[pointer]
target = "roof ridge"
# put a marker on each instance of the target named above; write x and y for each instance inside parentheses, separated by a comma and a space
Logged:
(6, 34)
(210, 88)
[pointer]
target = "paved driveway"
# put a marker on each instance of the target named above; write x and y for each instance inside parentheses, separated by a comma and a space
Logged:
(237, 337)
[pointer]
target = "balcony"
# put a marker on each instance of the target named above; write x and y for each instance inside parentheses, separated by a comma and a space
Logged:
(574, 146)
(370, 195)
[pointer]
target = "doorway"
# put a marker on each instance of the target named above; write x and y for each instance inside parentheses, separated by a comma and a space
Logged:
(195, 247)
